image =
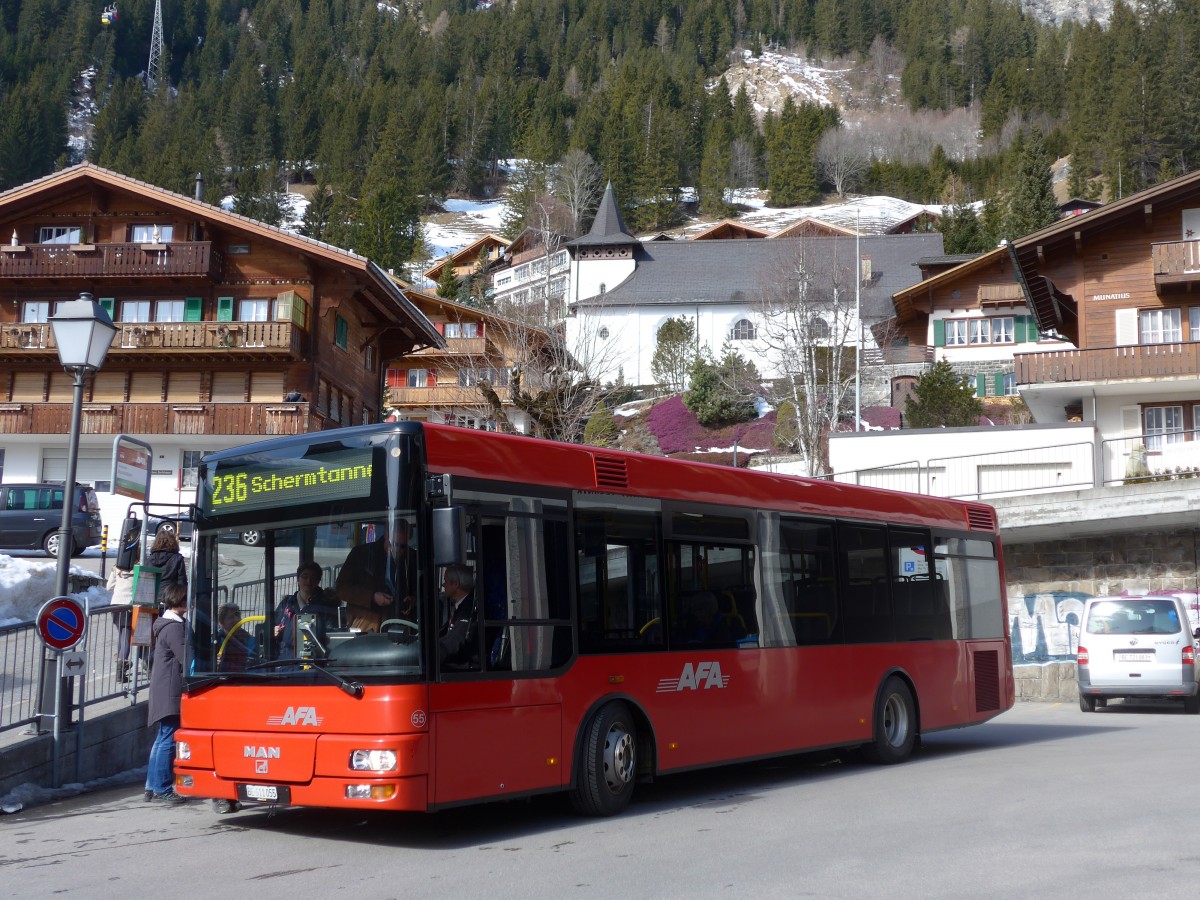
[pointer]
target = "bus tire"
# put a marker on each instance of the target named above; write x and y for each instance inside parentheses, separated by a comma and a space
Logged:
(607, 765)
(895, 724)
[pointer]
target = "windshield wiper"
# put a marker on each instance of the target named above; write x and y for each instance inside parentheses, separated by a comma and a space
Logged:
(353, 688)
(201, 683)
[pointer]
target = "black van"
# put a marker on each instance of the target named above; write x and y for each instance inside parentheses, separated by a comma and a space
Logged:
(31, 516)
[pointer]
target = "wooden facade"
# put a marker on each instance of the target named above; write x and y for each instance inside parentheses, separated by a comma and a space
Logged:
(219, 318)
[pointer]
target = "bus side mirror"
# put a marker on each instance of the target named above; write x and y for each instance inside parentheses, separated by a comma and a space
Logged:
(449, 535)
(131, 533)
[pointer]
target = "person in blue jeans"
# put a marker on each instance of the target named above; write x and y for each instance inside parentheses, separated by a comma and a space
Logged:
(169, 638)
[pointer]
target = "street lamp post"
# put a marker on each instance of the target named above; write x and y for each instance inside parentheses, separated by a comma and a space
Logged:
(83, 331)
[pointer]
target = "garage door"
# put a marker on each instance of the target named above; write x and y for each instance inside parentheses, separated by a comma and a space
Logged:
(93, 467)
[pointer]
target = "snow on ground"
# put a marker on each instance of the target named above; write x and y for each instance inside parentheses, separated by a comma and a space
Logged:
(26, 584)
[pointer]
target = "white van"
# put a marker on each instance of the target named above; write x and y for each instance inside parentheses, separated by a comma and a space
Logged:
(1136, 647)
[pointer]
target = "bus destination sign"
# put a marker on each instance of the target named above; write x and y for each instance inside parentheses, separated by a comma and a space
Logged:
(324, 478)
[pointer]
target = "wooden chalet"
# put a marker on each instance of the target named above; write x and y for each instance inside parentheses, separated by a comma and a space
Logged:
(228, 330)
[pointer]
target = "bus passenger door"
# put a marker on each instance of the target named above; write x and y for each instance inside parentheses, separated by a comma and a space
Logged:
(492, 752)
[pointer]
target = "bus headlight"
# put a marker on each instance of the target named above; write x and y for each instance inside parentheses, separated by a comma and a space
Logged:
(373, 760)
(183, 750)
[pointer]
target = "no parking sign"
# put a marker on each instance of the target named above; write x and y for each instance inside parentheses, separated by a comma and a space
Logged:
(61, 623)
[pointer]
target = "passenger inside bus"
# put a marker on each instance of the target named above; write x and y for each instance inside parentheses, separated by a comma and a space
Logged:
(235, 646)
(308, 598)
(458, 640)
(378, 581)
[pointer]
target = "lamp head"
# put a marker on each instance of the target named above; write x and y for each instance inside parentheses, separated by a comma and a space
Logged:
(83, 331)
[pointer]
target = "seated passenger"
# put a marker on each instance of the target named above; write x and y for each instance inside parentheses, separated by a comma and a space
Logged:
(706, 625)
(308, 598)
(458, 640)
(234, 645)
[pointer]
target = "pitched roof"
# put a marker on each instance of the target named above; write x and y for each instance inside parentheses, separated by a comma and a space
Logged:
(1054, 310)
(905, 298)
(688, 273)
(33, 194)
(468, 253)
(608, 227)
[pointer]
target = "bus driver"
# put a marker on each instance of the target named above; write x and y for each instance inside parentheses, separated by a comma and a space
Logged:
(378, 581)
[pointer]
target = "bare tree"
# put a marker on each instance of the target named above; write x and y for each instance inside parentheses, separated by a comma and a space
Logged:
(809, 332)
(842, 158)
(744, 168)
(576, 180)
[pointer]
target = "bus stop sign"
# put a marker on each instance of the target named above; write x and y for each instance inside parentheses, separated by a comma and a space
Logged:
(61, 623)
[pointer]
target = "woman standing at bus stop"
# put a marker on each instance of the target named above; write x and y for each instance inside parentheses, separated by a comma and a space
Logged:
(166, 690)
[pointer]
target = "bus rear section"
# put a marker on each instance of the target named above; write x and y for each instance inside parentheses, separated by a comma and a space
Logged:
(631, 616)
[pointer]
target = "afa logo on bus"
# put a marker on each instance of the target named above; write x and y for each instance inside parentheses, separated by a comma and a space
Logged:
(298, 715)
(703, 675)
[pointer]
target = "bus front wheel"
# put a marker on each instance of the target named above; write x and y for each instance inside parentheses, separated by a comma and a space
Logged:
(607, 763)
(895, 724)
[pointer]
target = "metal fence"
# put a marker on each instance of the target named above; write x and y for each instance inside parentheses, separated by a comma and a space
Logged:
(979, 475)
(21, 653)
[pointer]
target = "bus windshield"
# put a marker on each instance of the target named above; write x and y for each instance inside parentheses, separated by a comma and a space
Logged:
(325, 575)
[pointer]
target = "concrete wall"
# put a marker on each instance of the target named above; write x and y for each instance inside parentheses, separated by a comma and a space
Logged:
(113, 742)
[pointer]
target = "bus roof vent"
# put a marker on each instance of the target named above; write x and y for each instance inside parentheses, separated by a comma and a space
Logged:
(980, 517)
(611, 472)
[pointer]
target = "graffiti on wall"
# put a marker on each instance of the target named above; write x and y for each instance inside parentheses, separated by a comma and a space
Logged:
(1045, 625)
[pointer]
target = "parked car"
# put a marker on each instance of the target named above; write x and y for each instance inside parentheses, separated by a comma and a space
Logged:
(180, 523)
(31, 517)
(1134, 647)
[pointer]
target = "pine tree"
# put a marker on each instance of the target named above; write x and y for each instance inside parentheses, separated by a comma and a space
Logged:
(674, 352)
(942, 398)
(448, 286)
(1029, 198)
(601, 429)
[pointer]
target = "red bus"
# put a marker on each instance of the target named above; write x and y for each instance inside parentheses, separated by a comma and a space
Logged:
(626, 616)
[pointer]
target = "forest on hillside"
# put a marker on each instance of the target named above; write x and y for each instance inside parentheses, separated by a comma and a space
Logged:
(389, 107)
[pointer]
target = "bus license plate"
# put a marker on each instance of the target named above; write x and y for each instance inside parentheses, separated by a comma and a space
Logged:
(263, 793)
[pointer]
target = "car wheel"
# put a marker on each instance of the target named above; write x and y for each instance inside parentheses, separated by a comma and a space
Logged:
(251, 538)
(166, 527)
(1086, 703)
(50, 543)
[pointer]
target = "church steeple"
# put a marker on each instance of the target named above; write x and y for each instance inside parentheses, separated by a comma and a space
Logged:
(608, 228)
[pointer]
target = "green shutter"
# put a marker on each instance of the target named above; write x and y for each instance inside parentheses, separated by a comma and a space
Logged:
(224, 309)
(980, 385)
(998, 381)
(1024, 330)
(341, 332)
(108, 304)
(939, 332)
(193, 309)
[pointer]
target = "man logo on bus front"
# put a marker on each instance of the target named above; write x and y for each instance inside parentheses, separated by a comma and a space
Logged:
(704, 675)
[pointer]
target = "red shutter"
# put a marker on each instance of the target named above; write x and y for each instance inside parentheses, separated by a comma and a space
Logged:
(431, 378)
(440, 326)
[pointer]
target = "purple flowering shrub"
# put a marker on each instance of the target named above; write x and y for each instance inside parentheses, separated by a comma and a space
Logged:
(677, 430)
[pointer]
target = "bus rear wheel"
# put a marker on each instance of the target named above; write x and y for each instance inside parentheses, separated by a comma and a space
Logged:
(607, 767)
(895, 724)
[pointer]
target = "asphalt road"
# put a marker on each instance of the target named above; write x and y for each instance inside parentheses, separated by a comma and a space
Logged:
(1045, 801)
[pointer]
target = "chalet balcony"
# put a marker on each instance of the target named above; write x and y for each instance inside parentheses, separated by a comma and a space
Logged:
(475, 346)
(1175, 263)
(238, 339)
(177, 259)
(442, 395)
(250, 419)
(1109, 364)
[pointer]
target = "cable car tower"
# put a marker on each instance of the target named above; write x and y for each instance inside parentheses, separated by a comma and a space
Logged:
(155, 49)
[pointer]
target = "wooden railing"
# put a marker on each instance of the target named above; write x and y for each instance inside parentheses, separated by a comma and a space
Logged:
(442, 395)
(456, 347)
(1176, 261)
(253, 337)
(250, 419)
(892, 356)
(178, 259)
(1108, 363)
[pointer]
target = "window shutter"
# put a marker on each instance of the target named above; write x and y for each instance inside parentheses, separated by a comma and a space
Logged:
(998, 383)
(1127, 327)
(441, 327)
(341, 332)
(1021, 329)
(1131, 420)
(193, 309)
(108, 304)
(981, 385)
(431, 378)
(224, 309)
(939, 332)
